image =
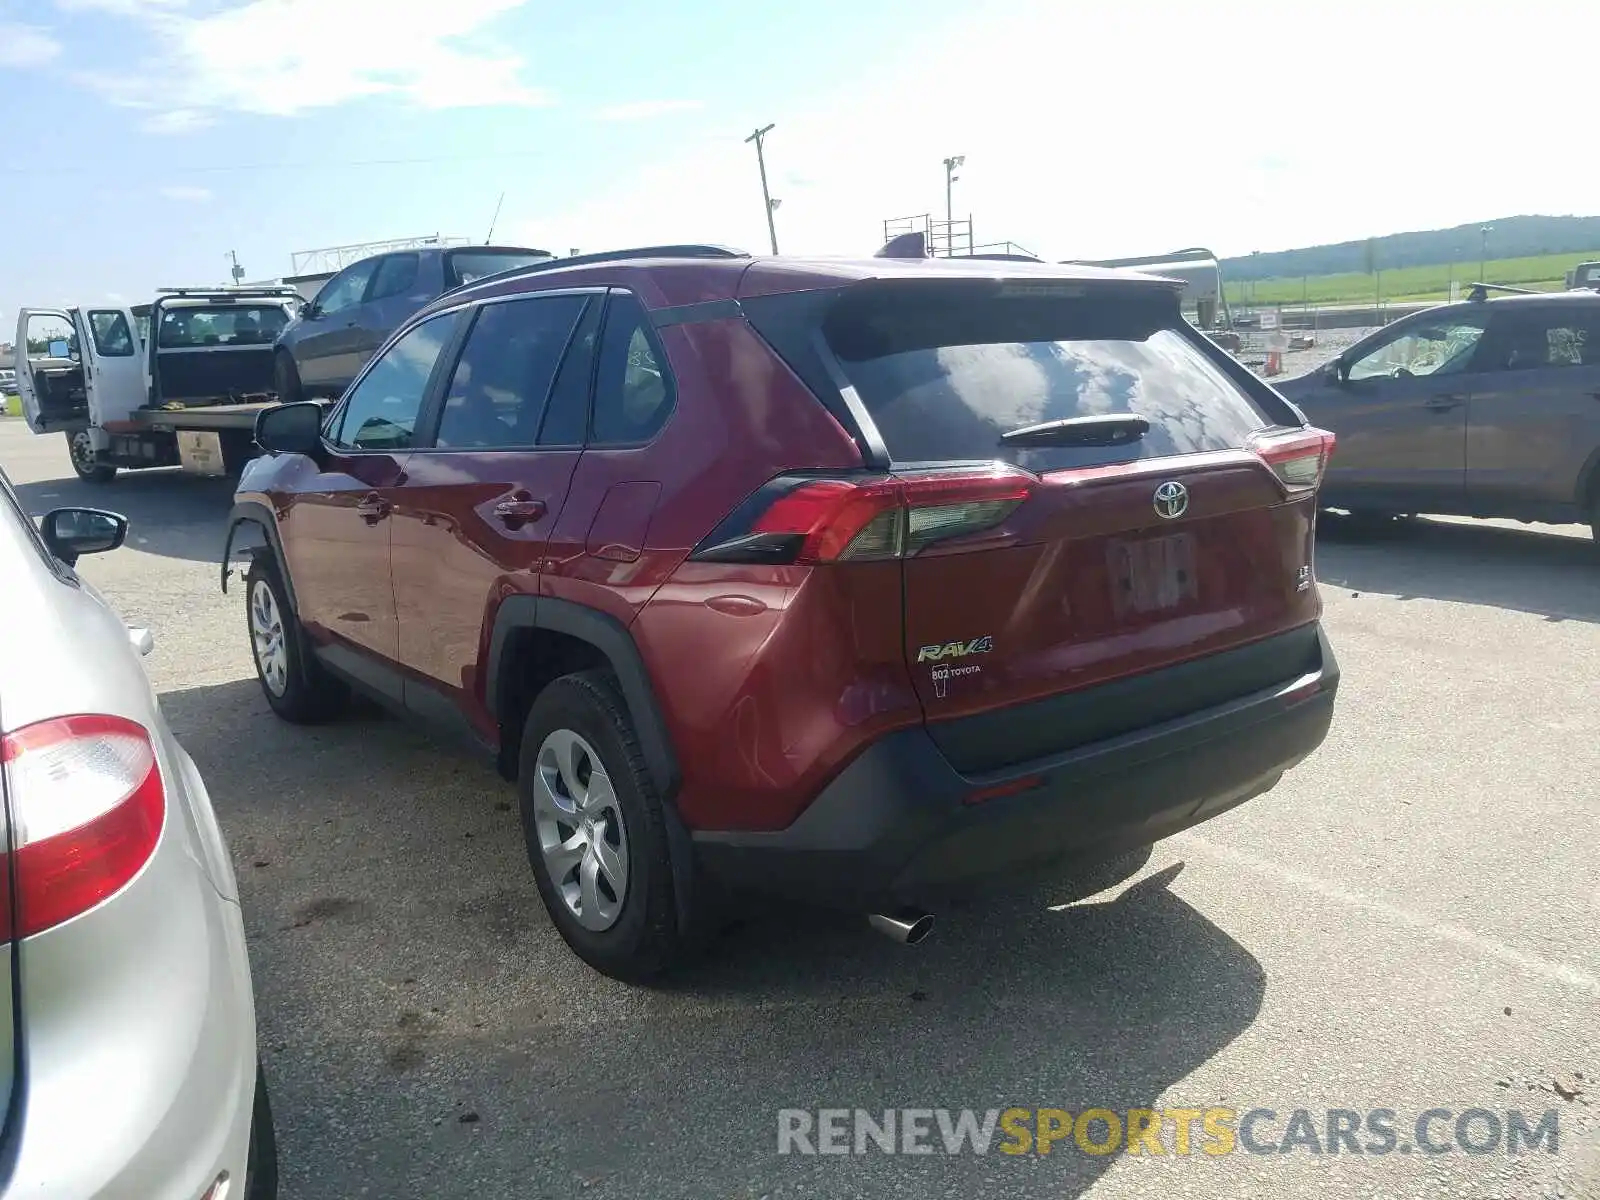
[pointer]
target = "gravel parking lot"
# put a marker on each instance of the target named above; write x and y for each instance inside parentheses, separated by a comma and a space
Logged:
(1408, 922)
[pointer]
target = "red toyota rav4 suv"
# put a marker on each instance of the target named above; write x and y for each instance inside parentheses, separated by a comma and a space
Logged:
(855, 581)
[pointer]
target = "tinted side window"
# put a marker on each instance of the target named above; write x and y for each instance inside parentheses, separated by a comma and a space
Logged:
(381, 411)
(346, 289)
(498, 391)
(567, 415)
(632, 390)
(112, 337)
(1530, 341)
(395, 276)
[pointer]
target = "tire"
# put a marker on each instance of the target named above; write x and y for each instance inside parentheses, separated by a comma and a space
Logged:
(286, 378)
(261, 1167)
(85, 461)
(1361, 523)
(577, 729)
(237, 451)
(296, 687)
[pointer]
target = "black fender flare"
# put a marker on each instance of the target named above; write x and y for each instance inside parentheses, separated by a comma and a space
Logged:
(612, 639)
(253, 512)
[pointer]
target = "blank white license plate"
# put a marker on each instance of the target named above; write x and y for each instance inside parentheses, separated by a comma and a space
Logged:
(1152, 574)
(200, 452)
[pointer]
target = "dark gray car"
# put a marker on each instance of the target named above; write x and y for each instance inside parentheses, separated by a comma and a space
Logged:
(334, 336)
(1486, 409)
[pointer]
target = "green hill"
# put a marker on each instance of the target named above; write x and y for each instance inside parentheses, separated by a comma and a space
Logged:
(1546, 272)
(1509, 238)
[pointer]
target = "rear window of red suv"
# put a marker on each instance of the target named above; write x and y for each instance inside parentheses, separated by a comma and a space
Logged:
(944, 372)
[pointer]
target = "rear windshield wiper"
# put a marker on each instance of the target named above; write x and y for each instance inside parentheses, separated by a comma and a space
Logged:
(1102, 429)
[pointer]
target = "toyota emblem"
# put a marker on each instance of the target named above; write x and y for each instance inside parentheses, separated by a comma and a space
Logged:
(1171, 500)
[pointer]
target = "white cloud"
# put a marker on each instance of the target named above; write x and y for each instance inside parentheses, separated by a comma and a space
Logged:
(642, 110)
(282, 57)
(185, 194)
(26, 45)
(1102, 130)
(177, 121)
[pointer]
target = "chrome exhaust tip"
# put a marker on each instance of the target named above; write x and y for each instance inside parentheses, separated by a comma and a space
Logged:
(907, 926)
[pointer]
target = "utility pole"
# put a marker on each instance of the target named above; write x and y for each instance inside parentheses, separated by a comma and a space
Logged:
(950, 177)
(766, 197)
(237, 272)
(1483, 251)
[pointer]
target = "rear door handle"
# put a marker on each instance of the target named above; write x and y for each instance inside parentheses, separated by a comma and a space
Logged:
(1444, 403)
(515, 512)
(373, 508)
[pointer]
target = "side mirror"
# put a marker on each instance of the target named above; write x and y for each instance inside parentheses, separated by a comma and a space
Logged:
(310, 312)
(291, 428)
(71, 533)
(1337, 372)
(59, 348)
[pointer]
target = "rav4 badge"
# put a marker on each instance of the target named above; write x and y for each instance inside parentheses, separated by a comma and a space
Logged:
(955, 649)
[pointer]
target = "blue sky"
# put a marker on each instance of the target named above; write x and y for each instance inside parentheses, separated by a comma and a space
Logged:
(147, 138)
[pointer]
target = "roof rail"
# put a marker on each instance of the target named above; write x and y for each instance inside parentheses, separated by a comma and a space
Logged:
(230, 291)
(1479, 292)
(685, 250)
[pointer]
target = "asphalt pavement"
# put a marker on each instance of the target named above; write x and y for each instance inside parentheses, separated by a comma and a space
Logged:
(1408, 922)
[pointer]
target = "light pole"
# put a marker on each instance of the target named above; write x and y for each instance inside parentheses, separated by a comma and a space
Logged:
(766, 196)
(1483, 251)
(950, 177)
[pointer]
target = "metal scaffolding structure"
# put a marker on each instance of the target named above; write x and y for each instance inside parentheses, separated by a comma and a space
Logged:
(950, 239)
(335, 258)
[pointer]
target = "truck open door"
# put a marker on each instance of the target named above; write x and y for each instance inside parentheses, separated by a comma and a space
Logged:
(116, 364)
(50, 383)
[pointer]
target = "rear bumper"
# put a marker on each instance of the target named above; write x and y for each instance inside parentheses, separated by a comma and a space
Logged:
(900, 824)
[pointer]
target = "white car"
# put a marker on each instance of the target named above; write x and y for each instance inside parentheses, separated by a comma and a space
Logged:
(127, 1026)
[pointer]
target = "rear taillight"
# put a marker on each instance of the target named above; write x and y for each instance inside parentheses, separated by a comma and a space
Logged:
(839, 519)
(87, 806)
(1298, 457)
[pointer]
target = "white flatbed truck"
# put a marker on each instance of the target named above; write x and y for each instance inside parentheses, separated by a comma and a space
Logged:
(180, 387)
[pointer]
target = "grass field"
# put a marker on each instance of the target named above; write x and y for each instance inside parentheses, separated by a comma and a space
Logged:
(1545, 273)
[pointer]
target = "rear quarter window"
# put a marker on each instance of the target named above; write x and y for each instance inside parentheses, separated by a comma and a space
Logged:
(944, 379)
(469, 266)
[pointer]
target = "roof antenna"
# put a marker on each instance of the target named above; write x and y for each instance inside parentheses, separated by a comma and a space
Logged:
(496, 219)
